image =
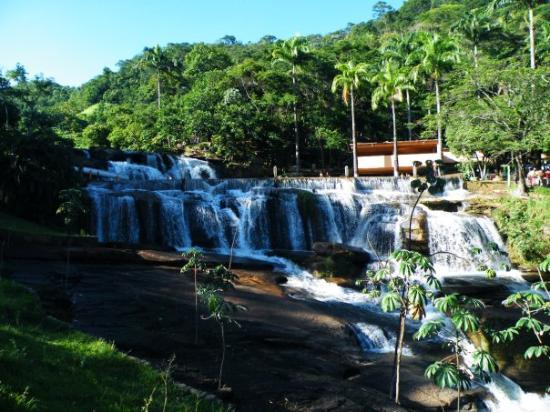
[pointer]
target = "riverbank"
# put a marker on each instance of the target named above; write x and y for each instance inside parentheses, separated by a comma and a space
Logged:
(46, 365)
(524, 222)
(289, 354)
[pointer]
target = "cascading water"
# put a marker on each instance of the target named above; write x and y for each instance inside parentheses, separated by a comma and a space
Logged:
(178, 203)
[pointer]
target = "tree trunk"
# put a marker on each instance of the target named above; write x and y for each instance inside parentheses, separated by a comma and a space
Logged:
(158, 90)
(7, 124)
(439, 133)
(458, 369)
(522, 187)
(295, 110)
(409, 117)
(196, 310)
(400, 340)
(532, 37)
(475, 55)
(395, 154)
(223, 356)
(353, 135)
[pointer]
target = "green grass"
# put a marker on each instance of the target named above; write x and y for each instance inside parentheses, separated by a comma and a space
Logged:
(526, 225)
(47, 366)
(17, 224)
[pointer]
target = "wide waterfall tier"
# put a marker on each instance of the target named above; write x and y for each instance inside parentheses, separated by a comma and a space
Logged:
(138, 166)
(290, 214)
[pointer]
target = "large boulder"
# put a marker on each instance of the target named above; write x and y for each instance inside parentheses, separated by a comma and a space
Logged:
(418, 233)
(336, 262)
(341, 251)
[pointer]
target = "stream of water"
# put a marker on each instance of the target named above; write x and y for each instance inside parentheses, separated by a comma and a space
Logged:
(179, 202)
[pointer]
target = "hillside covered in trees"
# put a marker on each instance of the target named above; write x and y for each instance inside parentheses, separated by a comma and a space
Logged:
(472, 73)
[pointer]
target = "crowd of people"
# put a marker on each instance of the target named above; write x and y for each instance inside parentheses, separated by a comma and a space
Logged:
(539, 177)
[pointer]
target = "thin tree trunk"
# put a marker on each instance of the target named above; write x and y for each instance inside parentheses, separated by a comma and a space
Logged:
(353, 134)
(400, 340)
(475, 55)
(295, 109)
(158, 90)
(522, 187)
(223, 356)
(457, 368)
(7, 116)
(409, 117)
(395, 154)
(196, 309)
(532, 37)
(439, 133)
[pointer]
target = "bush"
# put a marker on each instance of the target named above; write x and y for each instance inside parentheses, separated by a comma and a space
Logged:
(34, 169)
(526, 225)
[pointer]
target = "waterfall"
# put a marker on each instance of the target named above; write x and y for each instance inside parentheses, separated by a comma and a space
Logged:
(373, 339)
(179, 202)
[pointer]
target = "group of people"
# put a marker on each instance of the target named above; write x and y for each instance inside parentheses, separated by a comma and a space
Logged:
(539, 177)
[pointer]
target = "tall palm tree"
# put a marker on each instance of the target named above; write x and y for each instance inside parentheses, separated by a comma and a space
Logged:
(474, 26)
(291, 53)
(434, 57)
(349, 80)
(155, 58)
(526, 4)
(390, 84)
(398, 49)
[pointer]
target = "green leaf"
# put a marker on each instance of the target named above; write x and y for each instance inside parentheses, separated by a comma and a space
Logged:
(429, 329)
(444, 375)
(433, 282)
(390, 302)
(490, 273)
(545, 264)
(506, 335)
(537, 351)
(417, 295)
(530, 324)
(484, 361)
(447, 303)
(465, 321)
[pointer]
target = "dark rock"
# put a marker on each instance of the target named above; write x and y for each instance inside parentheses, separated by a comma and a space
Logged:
(442, 204)
(338, 250)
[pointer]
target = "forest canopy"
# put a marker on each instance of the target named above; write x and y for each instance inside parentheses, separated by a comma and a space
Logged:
(461, 71)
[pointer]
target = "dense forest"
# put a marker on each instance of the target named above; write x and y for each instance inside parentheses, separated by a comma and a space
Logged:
(472, 73)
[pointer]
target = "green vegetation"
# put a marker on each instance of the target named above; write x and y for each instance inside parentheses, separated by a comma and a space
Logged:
(15, 224)
(47, 366)
(524, 222)
(270, 103)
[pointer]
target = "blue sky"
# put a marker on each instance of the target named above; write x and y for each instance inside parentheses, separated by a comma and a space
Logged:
(72, 40)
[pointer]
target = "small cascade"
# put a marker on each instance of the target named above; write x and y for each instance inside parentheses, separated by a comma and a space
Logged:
(453, 236)
(508, 396)
(373, 339)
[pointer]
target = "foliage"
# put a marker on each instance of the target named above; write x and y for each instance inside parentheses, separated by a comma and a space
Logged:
(461, 316)
(38, 353)
(71, 208)
(35, 168)
(524, 223)
(534, 306)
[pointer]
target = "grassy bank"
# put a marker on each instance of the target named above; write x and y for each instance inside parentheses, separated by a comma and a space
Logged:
(526, 225)
(47, 366)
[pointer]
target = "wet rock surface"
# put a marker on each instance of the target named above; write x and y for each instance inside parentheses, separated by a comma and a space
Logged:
(287, 355)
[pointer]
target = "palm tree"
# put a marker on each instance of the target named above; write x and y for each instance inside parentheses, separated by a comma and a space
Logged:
(291, 53)
(349, 80)
(390, 84)
(474, 26)
(155, 58)
(526, 4)
(398, 50)
(434, 57)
